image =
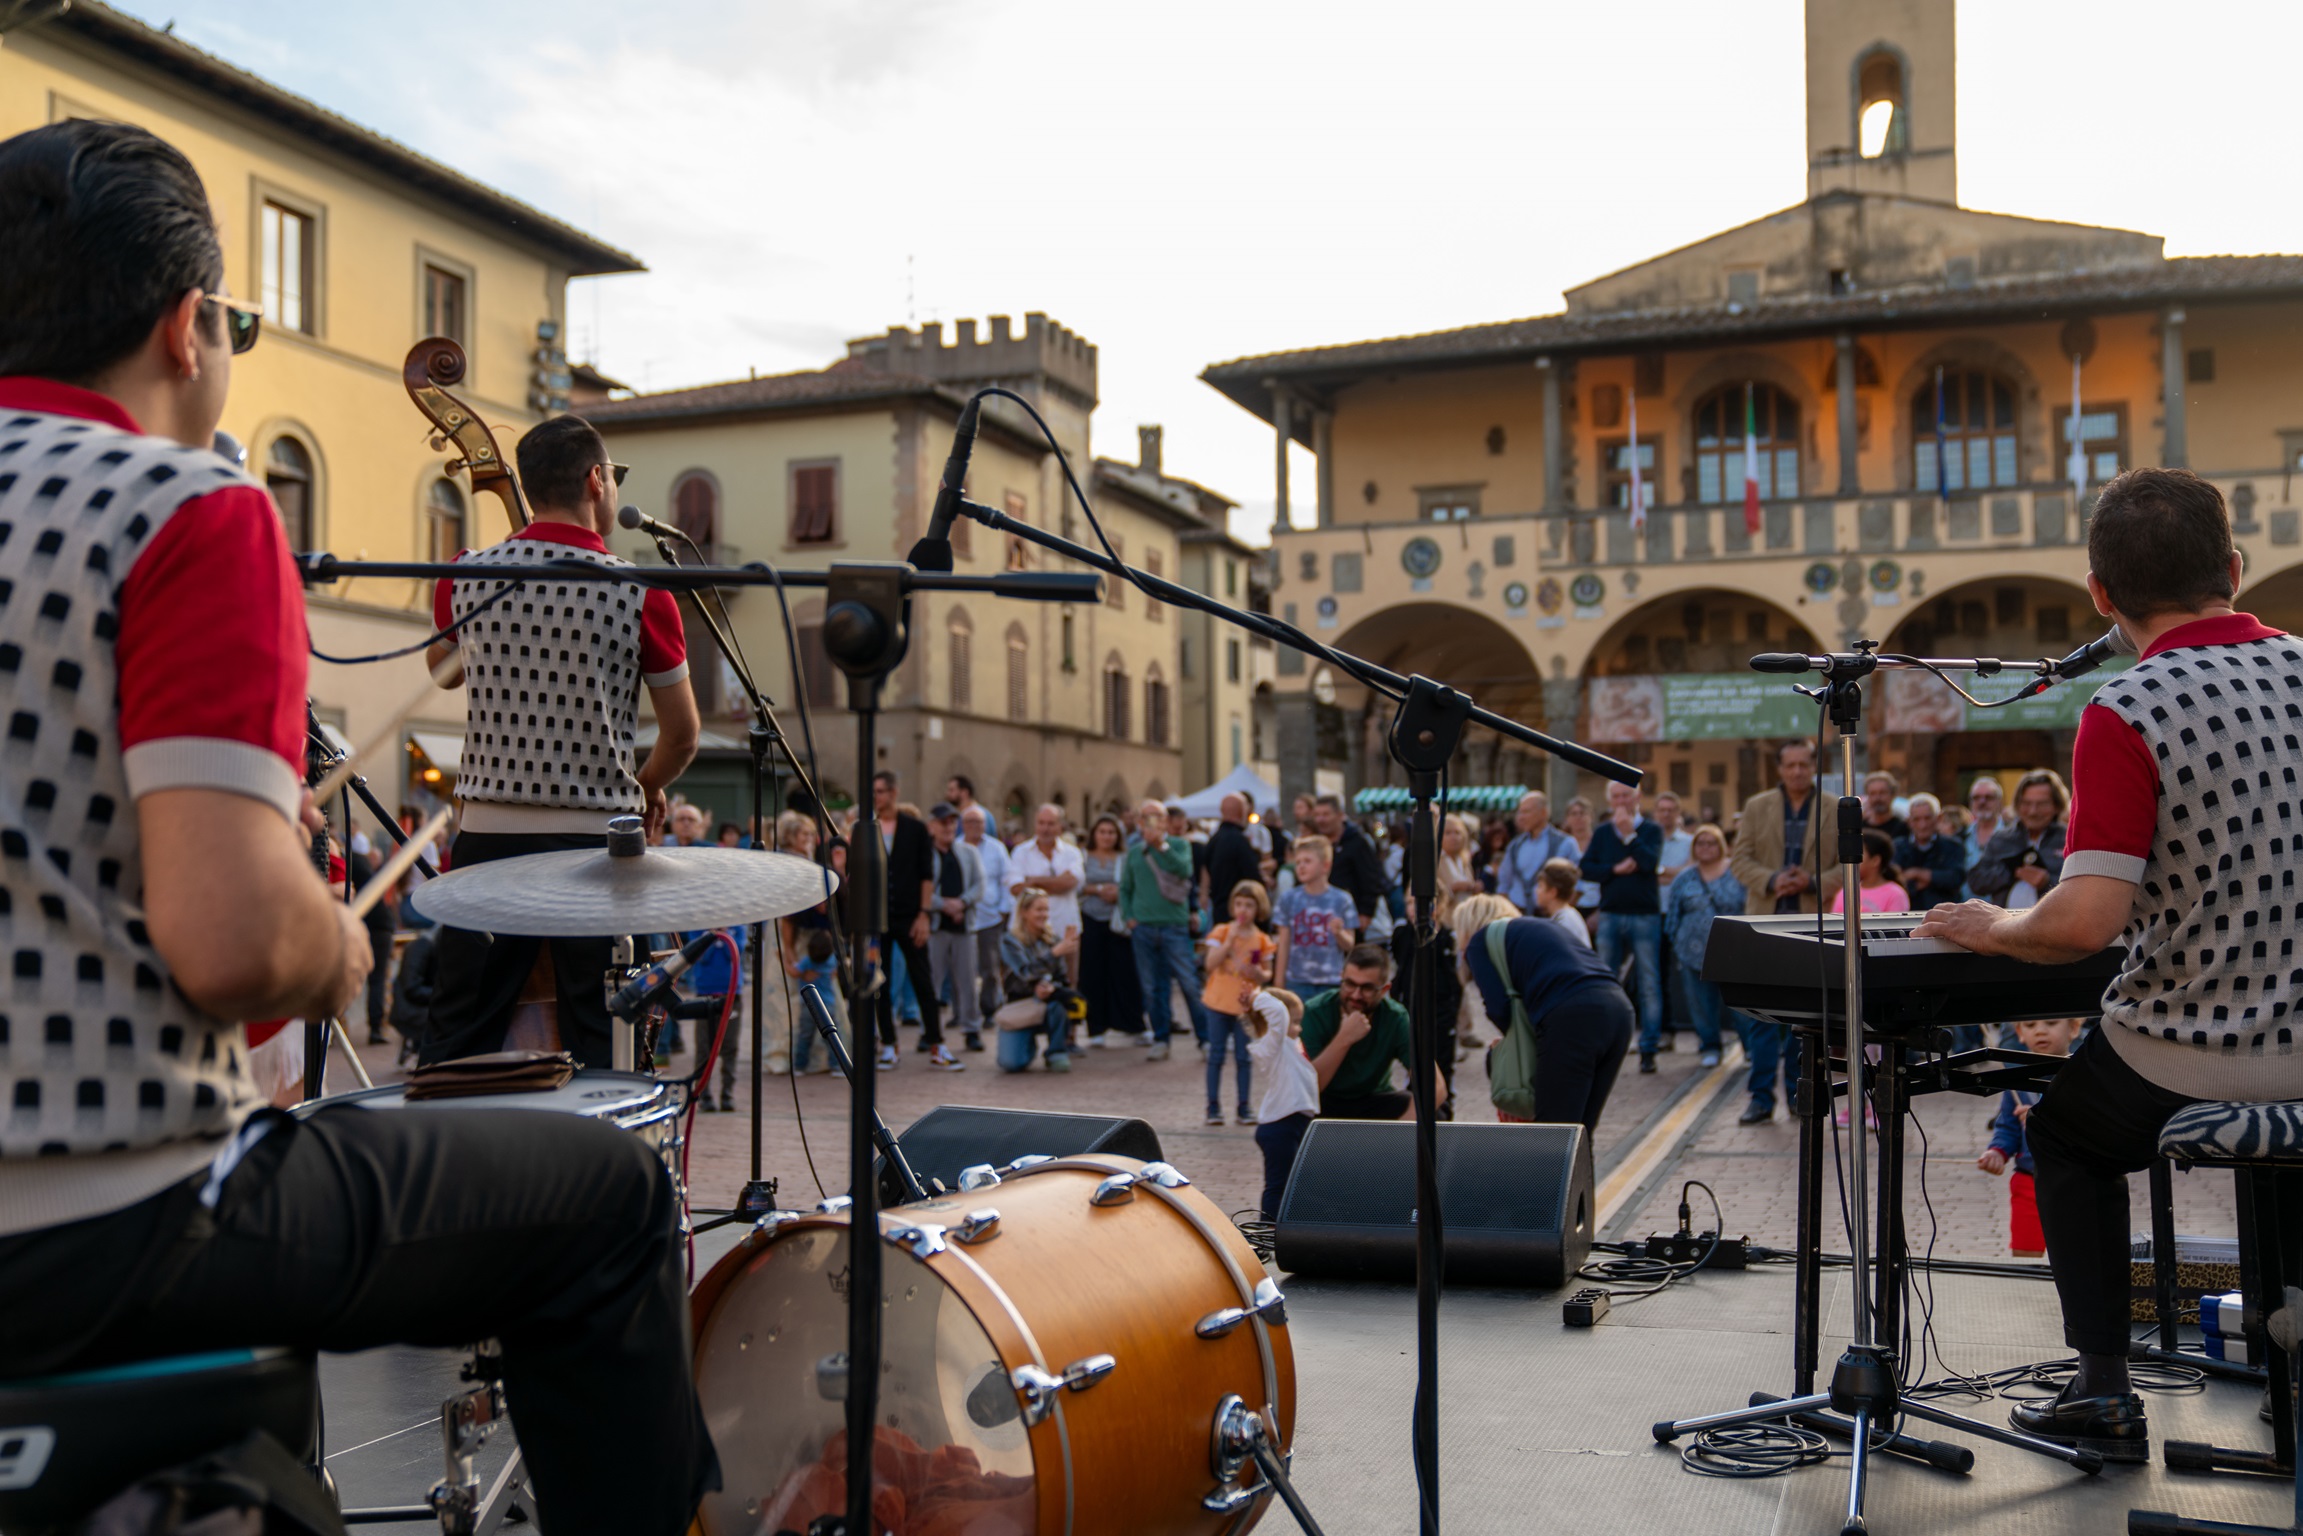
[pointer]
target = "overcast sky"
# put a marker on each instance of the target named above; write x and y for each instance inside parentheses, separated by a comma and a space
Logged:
(1193, 181)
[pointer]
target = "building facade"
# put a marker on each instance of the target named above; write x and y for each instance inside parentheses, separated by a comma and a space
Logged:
(1074, 703)
(1900, 376)
(358, 248)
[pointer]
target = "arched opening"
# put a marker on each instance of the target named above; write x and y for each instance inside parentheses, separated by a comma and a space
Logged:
(1669, 688)
(2277, 600)
(1930, 738)
(1723, 418)
(1459, 646)
(445, 528)
(1883, 125)
(1970, 413)
(959, 662)
(288, 476)
(1155, 706)
(1019, 673)
(1116, 711)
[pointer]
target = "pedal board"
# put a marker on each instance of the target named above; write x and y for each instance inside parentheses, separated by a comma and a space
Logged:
(1683, 1248)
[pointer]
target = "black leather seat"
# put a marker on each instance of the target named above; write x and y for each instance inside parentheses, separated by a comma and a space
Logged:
(69, 1442)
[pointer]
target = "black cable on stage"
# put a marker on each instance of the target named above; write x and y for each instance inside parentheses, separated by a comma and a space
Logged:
(1261, 1233)
(1746, 1451)
(1653, 1275)
(430, 640)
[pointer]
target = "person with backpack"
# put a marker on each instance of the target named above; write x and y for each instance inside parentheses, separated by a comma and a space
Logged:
(1565, 1019)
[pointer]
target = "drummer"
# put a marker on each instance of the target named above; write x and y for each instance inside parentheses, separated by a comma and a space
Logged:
(150, 1204)
(549, 754)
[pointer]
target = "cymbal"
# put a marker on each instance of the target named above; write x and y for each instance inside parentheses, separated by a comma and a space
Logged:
(591, 892)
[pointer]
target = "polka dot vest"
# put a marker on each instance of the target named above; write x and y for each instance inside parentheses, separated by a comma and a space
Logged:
(98, 1052)
(552, 675)
(2212, 965)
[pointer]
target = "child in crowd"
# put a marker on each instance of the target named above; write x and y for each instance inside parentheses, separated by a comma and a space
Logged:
(1238, 960)
(814, 966)
(1274, 1022)
(1315, 922)
(1882, 889)
(2010, 1137)
(1555, 887)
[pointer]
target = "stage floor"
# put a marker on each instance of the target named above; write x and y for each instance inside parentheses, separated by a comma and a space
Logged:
(1546, 1427)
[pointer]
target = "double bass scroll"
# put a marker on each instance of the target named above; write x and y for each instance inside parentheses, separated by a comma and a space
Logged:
(434, 365)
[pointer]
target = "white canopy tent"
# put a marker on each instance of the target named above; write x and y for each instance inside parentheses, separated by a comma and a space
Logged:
(1243, 780)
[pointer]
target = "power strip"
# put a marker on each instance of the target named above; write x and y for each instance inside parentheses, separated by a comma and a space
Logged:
(1683, 1248)
(1584, 1308)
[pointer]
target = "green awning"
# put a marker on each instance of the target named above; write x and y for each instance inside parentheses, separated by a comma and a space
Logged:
(1491, 797)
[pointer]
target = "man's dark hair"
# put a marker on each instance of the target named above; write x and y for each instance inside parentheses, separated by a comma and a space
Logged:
(964, 782)
(555, 456)
(1368, 957)
(1333, 802)
(1796, 741)
(103, 227)
(2160, 540)
(888, 777)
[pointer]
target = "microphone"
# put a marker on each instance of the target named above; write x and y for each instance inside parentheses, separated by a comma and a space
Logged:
(633, 518)
(933, 552)
(230, 449)
(655, 978)
(2091, 655)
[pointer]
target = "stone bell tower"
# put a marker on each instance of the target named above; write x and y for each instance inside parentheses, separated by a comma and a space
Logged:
(1880, 97)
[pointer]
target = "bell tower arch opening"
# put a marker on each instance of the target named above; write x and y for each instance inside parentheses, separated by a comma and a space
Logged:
(1880, 98)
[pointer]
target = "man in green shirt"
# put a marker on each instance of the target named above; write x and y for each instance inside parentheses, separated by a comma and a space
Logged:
(1353, 1035)
(1155, 903)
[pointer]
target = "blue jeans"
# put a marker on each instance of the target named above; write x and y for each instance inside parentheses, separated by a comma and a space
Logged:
(1770, 1046)
(1017, 1047)
(1642, 934)
(1221, 1026)
(1705, 1007)
(1163, 958)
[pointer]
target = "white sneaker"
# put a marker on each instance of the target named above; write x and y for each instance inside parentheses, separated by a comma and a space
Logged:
(1158, 1052)
(1143, 1039)
(1105, 1041)
(943, 1059)
(887, 1058)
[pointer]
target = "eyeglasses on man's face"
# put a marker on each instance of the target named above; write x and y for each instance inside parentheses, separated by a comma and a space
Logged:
(243, 321)
(617, 470)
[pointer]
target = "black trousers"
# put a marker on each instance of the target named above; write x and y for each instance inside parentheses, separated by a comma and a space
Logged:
(481, 974)
(923, 982)
(556, 1236)
(379, 976)
(1584, 1041)
(2098, 1122)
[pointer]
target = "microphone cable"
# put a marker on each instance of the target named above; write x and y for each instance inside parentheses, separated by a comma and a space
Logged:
(434, 638)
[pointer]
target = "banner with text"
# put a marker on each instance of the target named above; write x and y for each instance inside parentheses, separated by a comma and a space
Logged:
(1728, 706)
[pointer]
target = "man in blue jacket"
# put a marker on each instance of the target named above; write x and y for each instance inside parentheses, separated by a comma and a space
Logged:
(1624, 852)
(1933, 868)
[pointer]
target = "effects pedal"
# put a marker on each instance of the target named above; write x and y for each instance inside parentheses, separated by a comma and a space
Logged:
(1688, 1248)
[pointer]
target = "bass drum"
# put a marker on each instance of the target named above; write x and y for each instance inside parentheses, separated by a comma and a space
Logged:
(1075, 1349)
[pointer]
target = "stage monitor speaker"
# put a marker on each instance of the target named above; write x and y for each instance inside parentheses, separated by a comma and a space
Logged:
(1517, 1201)
(951, 1137)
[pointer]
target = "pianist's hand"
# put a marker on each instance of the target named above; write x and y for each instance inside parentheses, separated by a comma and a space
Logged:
(1968, 924)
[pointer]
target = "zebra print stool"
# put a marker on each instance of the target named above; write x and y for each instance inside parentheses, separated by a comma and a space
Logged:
(2263, 1145)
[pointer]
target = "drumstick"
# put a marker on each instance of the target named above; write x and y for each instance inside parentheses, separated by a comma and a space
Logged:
(402, 860)
(341, 774)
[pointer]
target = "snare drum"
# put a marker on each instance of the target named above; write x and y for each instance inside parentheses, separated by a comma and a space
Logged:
(1083, 1346)
(642, 1105)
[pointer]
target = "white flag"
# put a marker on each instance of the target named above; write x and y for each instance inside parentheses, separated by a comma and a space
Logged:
(2077, 463)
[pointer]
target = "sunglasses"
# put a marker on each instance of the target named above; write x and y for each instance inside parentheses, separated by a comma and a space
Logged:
(618, 470)
(243, 321)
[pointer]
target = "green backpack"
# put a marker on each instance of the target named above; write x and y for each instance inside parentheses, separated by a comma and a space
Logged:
(1511, 1061)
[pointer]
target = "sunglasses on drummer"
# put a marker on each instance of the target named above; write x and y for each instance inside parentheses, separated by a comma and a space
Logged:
(243, 321)
(617, 470)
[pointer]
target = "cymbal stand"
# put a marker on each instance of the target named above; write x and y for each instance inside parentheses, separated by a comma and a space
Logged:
(1863, 1382)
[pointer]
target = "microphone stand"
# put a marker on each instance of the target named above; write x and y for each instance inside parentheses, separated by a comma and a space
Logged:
(1864, 1382)
(1425, 733)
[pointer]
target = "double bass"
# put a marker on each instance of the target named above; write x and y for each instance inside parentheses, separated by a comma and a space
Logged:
(434, 366)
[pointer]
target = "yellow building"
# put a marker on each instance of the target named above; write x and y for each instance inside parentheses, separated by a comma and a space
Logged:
(1075, 703)
(1473, 505)
(357, 247)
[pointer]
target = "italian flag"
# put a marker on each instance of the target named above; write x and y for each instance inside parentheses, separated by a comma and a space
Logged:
(1750, 467)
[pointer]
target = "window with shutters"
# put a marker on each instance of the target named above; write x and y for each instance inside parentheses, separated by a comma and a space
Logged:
(1153, 607)
(1155, 708)
(445, 303)
(1070, 657)
(290, 268)
(444, 529)
(1231, 661)
(960, 644)
(816, 503)
(696, 507)
(1116, 698)
(288, 476)
(1019, 553)
(1019, 673)
(1115, 587)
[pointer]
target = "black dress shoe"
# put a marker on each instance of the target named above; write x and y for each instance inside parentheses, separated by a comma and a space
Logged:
(2112, 1426)
(1756, 1114)
(1647, 1065)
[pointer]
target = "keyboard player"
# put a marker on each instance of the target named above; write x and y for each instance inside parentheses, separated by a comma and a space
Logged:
(2184, 790)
